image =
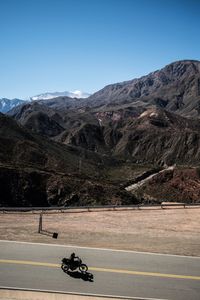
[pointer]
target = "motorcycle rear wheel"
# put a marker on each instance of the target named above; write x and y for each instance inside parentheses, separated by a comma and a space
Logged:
(83, 268)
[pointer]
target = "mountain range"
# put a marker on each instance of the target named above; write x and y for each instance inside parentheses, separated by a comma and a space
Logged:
(114, 136)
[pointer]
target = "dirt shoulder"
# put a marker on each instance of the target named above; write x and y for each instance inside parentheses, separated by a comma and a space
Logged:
(26, 295)
(171, 231)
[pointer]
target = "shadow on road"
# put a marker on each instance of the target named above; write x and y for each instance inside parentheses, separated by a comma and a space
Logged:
(84, 276)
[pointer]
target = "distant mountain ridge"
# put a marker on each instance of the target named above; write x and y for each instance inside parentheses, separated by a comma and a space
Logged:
(8, 104)
(176, 87)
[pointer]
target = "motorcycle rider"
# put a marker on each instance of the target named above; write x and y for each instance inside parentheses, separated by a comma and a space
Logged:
(74, 259)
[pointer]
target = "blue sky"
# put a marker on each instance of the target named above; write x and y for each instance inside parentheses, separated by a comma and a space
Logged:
(58, 45)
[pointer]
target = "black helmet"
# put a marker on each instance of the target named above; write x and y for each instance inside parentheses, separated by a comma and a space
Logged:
(73, 254)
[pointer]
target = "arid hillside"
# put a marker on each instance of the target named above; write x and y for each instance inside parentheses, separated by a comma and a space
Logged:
(84, 151)
(36, 171)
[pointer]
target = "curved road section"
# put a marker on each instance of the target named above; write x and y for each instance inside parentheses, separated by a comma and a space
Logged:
(124, 274)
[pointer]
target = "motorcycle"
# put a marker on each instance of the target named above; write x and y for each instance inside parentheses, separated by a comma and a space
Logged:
(67, 265)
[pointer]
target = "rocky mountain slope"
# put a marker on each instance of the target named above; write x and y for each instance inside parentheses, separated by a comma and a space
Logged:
(39, 118)
(158, 136)
(176, 87)
(154, 136)
(35, 171)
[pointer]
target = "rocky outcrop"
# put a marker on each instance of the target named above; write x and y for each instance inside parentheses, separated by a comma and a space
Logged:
(178, 185)
(158, 136)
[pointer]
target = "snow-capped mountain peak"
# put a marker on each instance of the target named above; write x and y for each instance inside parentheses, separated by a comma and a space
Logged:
(8, 104)
(48, 95)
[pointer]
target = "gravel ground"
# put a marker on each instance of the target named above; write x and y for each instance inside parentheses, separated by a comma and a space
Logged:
(25, 295)
(172, 231)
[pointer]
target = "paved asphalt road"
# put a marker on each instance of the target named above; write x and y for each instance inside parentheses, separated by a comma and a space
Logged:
(120, 273)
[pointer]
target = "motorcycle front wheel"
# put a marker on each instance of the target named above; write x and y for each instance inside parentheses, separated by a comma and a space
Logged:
(83, 268)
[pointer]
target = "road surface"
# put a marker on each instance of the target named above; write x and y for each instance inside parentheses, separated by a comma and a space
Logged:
(116, 273)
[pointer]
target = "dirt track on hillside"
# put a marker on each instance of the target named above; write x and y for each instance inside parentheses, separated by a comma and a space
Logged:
(173, 231)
